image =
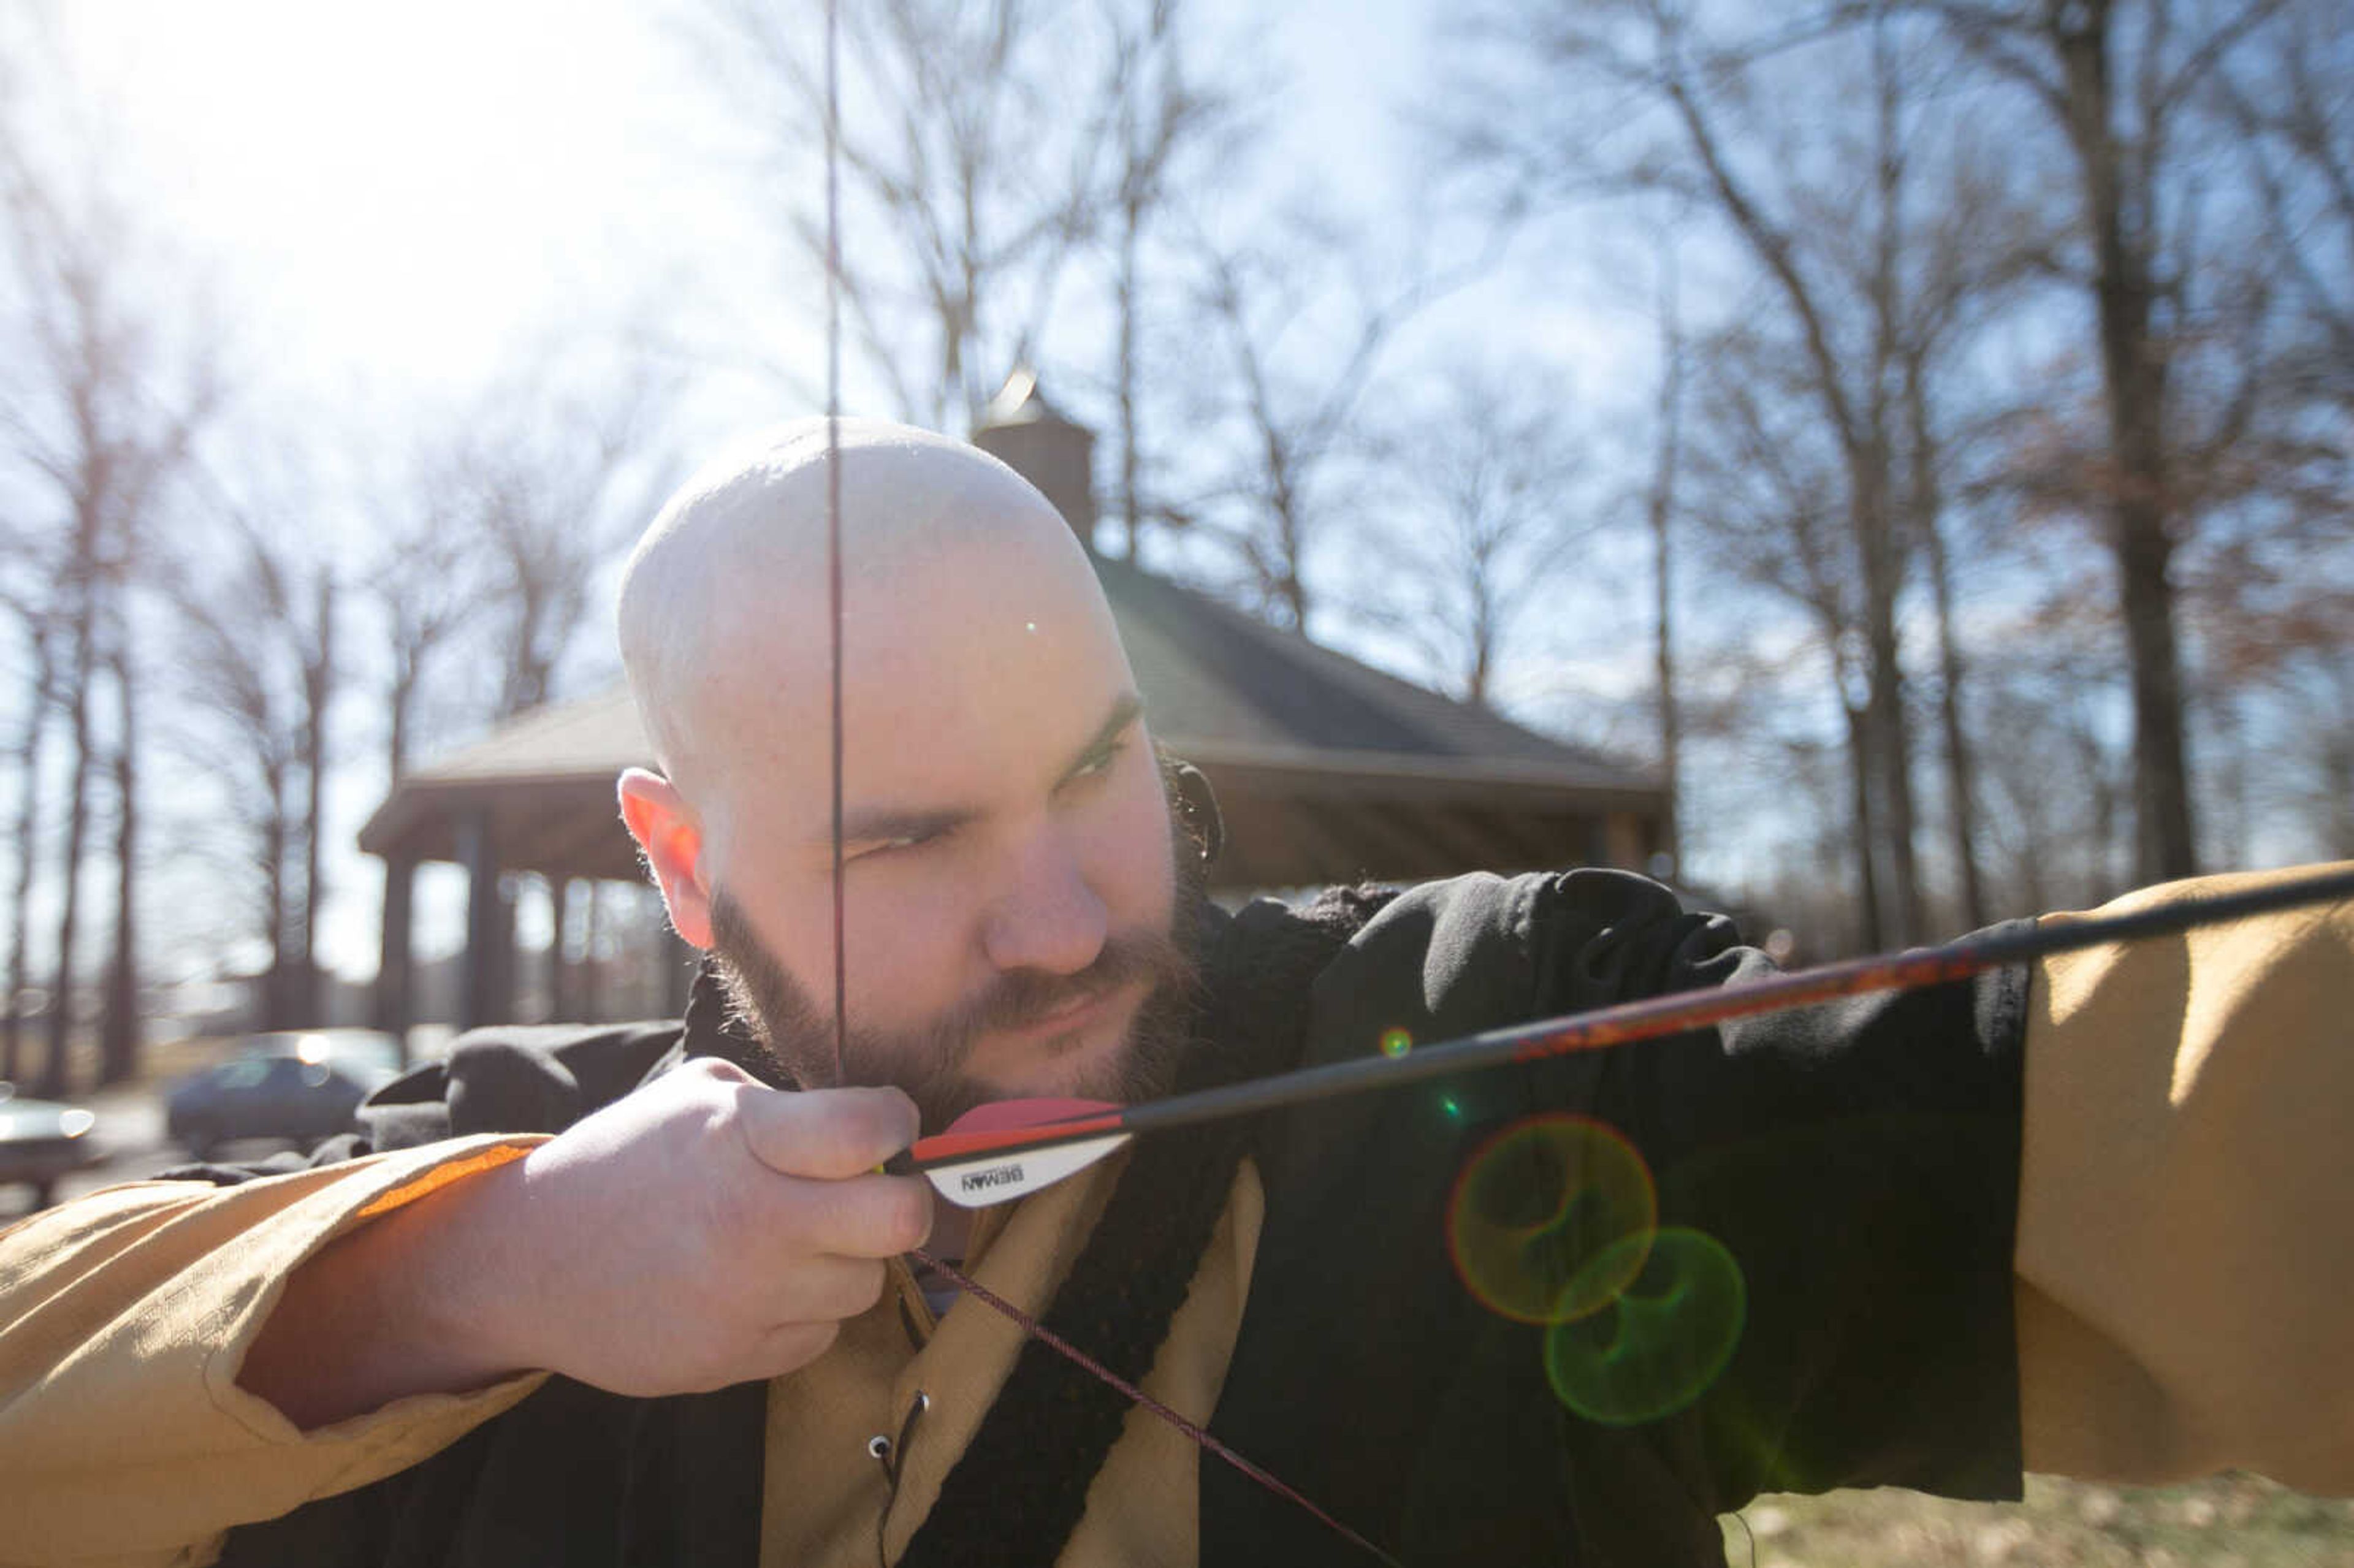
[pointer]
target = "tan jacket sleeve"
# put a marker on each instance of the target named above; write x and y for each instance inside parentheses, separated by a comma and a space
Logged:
(124, 1319)
(2186, 1213)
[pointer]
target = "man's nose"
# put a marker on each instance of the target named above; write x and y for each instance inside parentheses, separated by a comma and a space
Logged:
(1046, 918)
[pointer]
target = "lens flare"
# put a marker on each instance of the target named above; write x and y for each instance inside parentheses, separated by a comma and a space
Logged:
(1664, 1340)
(1396, 1042)
(1551, 1219)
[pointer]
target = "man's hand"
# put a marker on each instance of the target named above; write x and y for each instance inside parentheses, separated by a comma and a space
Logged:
(701, 1232)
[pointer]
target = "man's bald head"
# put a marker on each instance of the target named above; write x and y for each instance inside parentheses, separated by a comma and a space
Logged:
(1003, 885)
(725, 599)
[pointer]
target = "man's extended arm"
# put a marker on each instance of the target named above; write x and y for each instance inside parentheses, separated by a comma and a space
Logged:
(170, 1345)
(2185, 1250)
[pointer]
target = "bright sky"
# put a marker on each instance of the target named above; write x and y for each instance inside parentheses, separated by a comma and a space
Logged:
(400, 191)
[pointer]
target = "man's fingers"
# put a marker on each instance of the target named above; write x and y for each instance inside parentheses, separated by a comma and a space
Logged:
(793, 1346)
(863, 1216)
(826, 1133)
(829, 1289)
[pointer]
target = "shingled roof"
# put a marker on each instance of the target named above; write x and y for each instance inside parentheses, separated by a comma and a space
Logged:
(1326, 769)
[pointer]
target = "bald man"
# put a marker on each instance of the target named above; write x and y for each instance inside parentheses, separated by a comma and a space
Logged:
(642, 1294)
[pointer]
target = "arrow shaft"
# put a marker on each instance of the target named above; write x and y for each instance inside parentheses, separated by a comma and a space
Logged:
(1650, 1019)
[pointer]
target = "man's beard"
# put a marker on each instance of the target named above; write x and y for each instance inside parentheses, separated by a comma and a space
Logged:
(928, 1062)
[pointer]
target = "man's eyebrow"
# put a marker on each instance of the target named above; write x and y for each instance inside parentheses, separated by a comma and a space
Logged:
(883, 823)
(1125, 711)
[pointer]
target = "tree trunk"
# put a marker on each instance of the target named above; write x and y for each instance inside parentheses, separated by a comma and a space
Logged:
(1961, 792)
(1871, 458)
(2093, 763)
(39, 693)
(1130, 507)
(2134, 370)
(55, 1078)
(276, 999)
(394, 1009)
(118, 1029)
(1887, 729)
(1663, 515)
(318, 692)
(1867, 876)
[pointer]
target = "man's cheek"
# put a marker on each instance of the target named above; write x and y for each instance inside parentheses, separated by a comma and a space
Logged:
(1147, 844)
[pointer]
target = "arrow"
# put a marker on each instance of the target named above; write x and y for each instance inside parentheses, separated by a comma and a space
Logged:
(1006, 1150)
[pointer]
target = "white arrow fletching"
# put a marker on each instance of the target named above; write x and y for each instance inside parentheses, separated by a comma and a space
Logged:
(996, 1178)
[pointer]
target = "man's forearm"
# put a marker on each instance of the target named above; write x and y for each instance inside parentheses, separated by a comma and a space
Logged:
(702, 1231)
(392, 1309)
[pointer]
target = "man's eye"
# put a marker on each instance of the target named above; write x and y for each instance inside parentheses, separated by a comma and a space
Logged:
(891, 846)
(1100, 761)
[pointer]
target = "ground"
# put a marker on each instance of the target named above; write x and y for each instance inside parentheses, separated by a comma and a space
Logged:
(2229, 1521)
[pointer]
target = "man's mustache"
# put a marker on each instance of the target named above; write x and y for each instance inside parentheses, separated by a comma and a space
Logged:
(1019, 999)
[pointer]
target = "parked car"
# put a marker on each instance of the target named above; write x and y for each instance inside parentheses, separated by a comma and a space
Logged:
(41, 1140)
(298, 1088)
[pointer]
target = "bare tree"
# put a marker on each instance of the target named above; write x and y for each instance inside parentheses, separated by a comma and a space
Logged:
(1659, 514)
(1170, 121)
(425, 587)
(979, 151)
(537, 496)
(1975, 249)
(1833, 252)
(119, 1006)
(40, 678)
(1881, 239)
(2290, 99)
(315, 662)
(2119, 83)
(257, 681)
(96, 425)
(544, 494)
(1491, 510)
(2058, 793)
(1770, 497)
(1302, 326)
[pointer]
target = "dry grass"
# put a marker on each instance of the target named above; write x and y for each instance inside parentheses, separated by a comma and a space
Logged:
(2229, 1521)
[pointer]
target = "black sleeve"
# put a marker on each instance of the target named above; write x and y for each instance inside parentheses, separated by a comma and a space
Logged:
(1858, 1163)
(508, 1078)
(1849, 1172)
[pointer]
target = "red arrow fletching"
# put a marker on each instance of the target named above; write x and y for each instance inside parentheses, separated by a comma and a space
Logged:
(1015, 1124)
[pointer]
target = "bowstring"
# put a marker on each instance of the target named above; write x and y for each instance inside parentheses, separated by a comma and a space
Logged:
(1194, 1432)
(833, 505)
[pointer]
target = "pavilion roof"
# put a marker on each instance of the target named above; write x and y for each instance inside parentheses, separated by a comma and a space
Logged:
(1326, 769)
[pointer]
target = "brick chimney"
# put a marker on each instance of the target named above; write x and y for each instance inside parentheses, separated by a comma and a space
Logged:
(1030, 436)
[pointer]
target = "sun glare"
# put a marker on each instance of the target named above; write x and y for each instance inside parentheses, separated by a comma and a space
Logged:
(408, 181)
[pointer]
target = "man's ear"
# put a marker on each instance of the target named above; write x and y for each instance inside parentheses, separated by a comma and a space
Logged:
(665, 827)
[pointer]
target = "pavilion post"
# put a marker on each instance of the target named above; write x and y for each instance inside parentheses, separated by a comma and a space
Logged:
(561, 1005)
(395, 1001)
(479, 999)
